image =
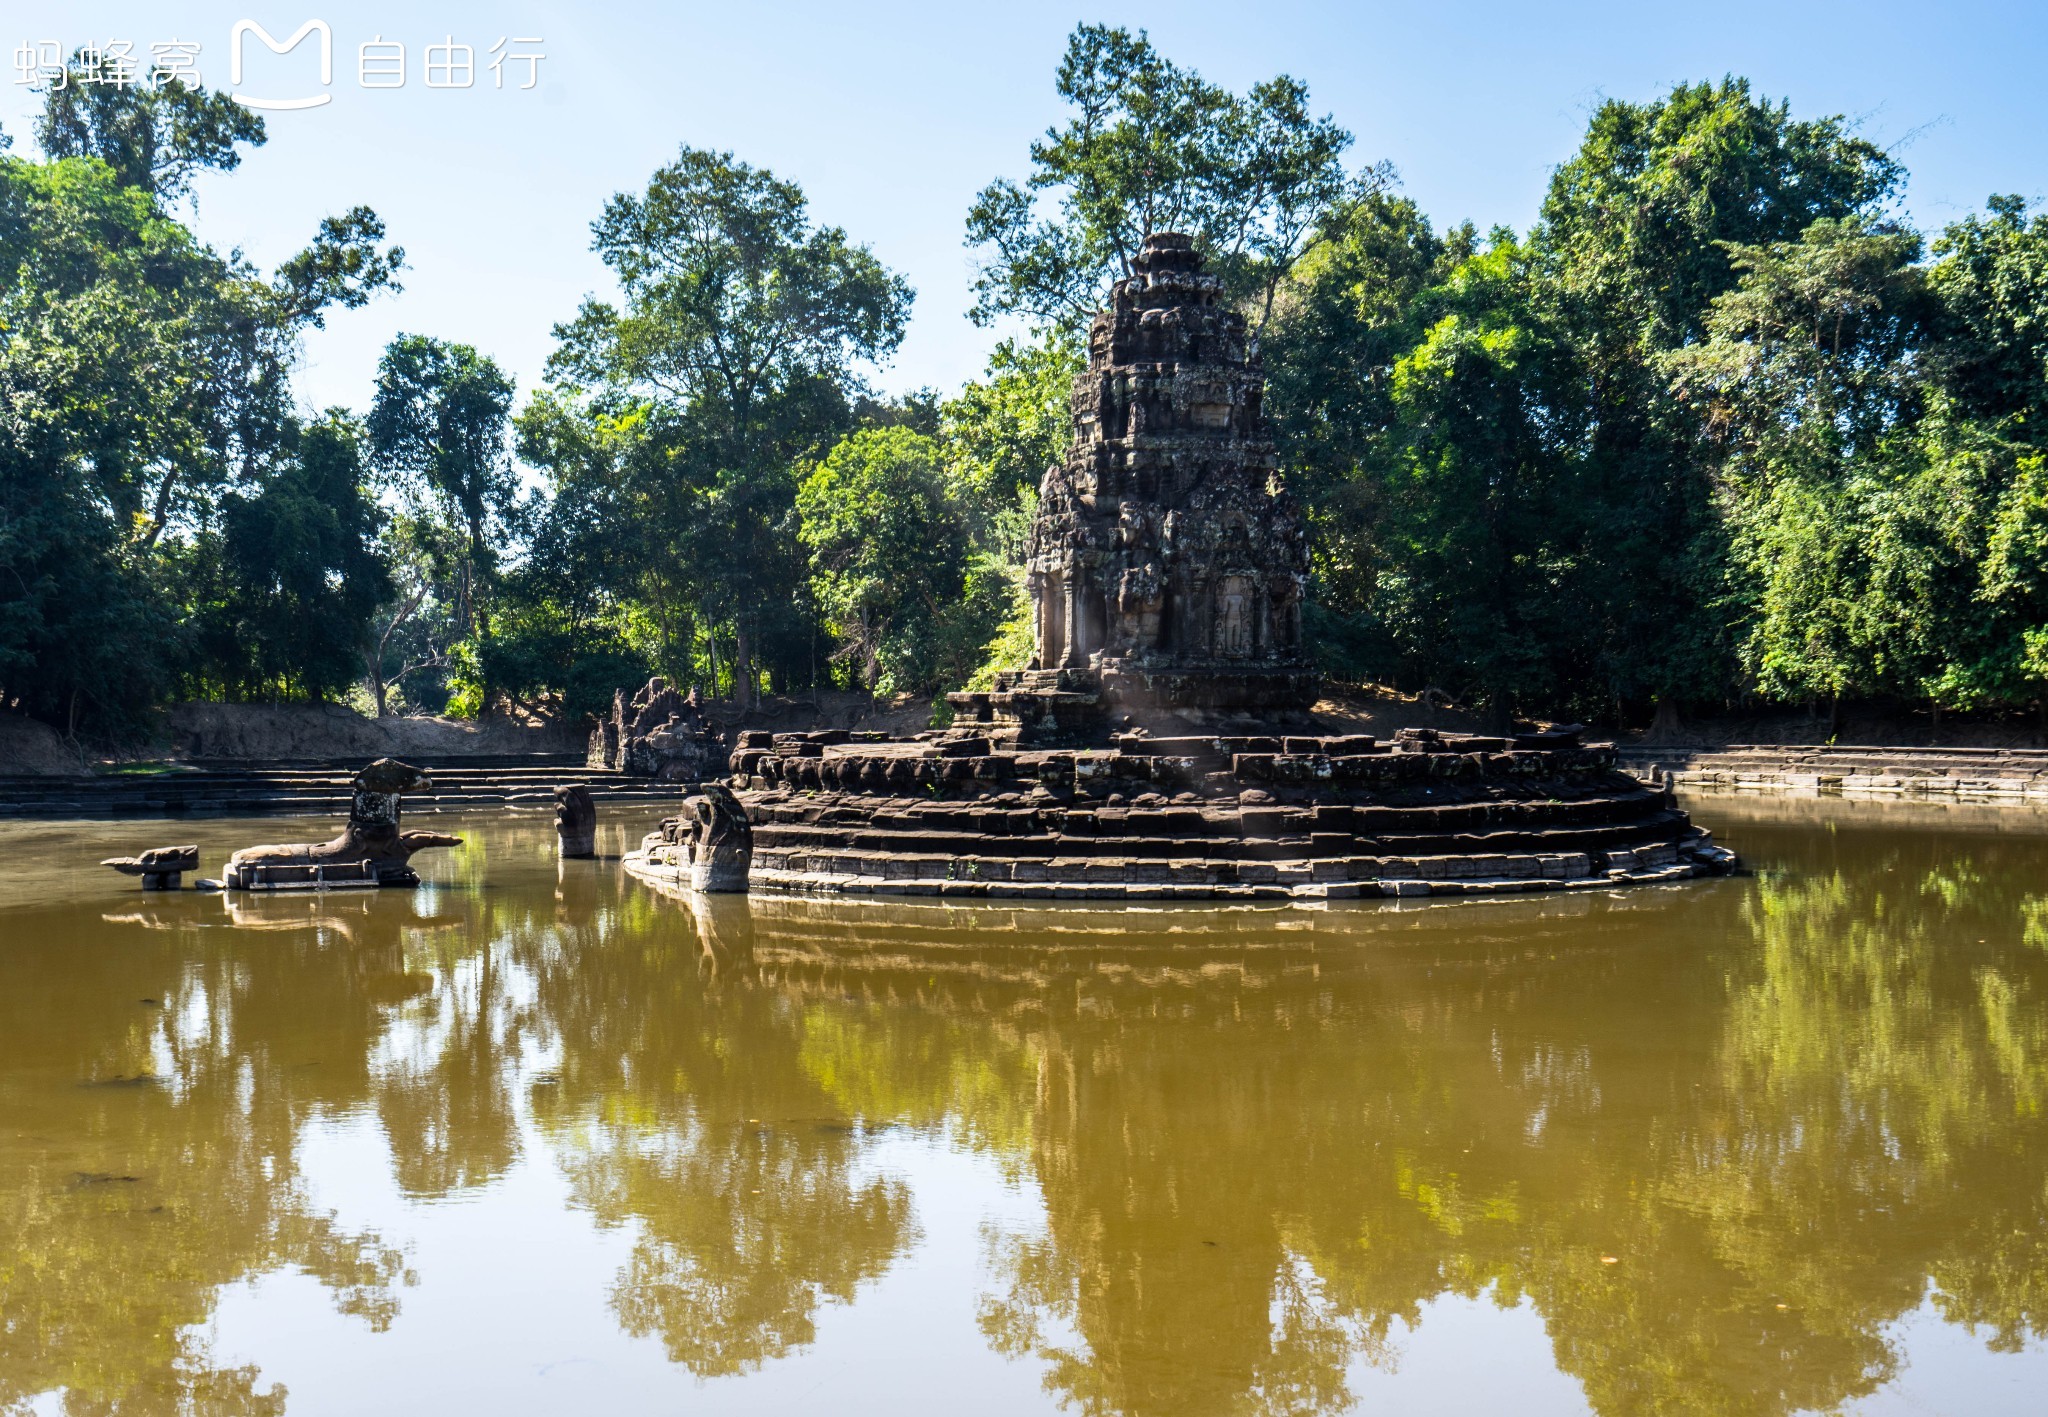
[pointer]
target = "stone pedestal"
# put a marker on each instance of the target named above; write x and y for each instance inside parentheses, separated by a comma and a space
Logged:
(162, 868)
(575, 822)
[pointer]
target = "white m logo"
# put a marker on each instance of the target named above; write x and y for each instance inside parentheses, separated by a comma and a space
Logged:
(248, 27)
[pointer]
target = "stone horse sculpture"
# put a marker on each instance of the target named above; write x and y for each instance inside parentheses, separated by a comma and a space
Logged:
(371, 850)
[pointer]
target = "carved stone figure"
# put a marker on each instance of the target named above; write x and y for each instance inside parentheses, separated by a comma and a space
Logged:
(658, 733)
(710, 847)
(1166, 563)
(371, 850)
(722, 849)
(162, 868)
(576, 821)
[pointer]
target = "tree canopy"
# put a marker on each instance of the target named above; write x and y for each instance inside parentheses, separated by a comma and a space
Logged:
(1718, 429)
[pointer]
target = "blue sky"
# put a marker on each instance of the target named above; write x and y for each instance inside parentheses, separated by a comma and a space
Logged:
(893, 116)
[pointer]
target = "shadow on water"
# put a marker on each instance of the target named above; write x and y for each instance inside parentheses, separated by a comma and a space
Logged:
(1721, 1138)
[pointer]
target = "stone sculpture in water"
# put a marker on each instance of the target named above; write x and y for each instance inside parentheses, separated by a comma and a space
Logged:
(710, 847)
(162, 868)
(371, 850)
(576, 821)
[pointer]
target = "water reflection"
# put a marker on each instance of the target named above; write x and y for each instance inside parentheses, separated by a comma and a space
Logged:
(154, 1082)
(1721, 1138)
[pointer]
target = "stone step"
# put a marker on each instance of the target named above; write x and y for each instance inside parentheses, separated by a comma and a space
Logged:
(1144, 881)
(1305, 846)
(317, 790)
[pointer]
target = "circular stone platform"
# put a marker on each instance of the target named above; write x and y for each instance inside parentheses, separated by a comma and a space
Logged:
(1196, 818)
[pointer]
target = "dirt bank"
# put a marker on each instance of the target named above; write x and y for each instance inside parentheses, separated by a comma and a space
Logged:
(1858, 725)
(262, 732)
(32, 749)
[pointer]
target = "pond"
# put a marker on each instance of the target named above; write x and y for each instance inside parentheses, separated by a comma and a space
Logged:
(536, 1139)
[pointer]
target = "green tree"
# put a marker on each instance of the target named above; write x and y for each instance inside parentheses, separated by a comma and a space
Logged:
(745, 326)
(154, 137)
(891, 562)
(298, 575)
(1481, 524)
(1353, 309)
(437, 430)
(1636, 230)
(1809, 377)
(1154, 147)
(415, 631)
(1991, 275)
(147, 380)
(1003, 432)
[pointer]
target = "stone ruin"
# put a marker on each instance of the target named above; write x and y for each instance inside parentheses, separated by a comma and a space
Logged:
(575, 822)
(1166, 564)
(162, 868)
(371, 850)
(1161, 743)
(710, 847)
(658, 733)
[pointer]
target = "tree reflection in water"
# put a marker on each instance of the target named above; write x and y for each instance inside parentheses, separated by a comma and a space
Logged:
(154, 1085)
(1719, 1138)
(681, 1105)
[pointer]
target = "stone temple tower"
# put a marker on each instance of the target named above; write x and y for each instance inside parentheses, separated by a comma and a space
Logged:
(1167, 564)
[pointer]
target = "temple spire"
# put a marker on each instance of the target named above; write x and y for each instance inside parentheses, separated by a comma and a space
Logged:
(1166, 562)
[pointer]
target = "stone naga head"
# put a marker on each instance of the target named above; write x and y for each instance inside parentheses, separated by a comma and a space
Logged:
(723, 842)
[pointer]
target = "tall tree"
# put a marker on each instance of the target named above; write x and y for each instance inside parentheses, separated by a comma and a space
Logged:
(438, 428)
(296, 573)
(1003, 431)
(1154, 147)
(1636, 232)
(155, 137)
(1991, 275)
(1352, 310)
(890, 559)
(745, 325)
(148, 380)
(1809, 375)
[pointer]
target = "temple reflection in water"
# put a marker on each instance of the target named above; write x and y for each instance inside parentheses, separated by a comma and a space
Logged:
(1721, 1142)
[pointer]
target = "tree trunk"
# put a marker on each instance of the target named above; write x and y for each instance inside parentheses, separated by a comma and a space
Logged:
(742, 667)
(1664, 724)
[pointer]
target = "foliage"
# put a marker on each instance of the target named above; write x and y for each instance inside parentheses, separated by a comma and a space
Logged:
(1002, 434)
(146, 380)
(1154, 147)
(741, 334)
(290, 581)
(1645, 467)
(155, 137)
(890, 566)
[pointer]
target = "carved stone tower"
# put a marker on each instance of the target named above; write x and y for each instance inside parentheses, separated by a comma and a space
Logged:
(1167, 564)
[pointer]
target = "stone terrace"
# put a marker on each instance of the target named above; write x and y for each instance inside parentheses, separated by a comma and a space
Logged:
(1200, 817)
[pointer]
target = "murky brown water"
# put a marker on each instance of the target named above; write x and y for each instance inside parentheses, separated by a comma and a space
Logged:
(540, 1141)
